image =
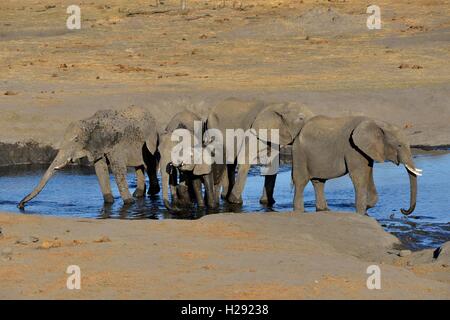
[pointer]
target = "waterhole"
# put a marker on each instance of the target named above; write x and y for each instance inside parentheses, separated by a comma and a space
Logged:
(74, 191)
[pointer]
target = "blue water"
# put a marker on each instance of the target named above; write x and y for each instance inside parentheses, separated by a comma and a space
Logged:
(74, 191)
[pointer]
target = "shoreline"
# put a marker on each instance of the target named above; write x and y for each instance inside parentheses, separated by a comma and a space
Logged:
(223, 256)
(33, 153)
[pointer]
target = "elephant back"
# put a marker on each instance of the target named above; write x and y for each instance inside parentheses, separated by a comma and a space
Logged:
(184, 119)
(108, 128)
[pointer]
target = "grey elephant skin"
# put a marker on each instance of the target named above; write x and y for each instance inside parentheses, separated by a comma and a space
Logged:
(328, 148)
(233, 113)
(191, 176)
(118, 138)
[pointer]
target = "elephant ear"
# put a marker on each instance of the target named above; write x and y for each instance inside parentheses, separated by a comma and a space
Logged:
(151, 141)
(100, 138)
(288, 118)
(369, 138)
(202, 169)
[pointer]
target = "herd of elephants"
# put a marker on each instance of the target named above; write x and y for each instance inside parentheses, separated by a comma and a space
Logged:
(323, 148)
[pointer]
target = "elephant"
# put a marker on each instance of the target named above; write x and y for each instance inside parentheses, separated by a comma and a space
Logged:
(118, 138)
(233, 113)
(328, 148)
(191, 175)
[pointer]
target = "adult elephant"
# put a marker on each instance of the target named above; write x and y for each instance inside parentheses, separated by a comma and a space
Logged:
(236, 114)
(191, 175)
(124, 138)
(328, 148)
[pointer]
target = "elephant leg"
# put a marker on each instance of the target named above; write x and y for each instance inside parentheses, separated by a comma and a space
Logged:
(208, 181)
(300, 176)
(236, 193)
(300, 184)
(173, 182)
(151, 162)
(102, 172)
(319, 190)
(119, 170)
(360, 179)
(372, 195)
(197, 185)
(269, 186)
(140, 178)
(165, 183)
(228, 180)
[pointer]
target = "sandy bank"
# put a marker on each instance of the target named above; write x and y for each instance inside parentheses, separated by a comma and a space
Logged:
(127, 53)
(238, 256)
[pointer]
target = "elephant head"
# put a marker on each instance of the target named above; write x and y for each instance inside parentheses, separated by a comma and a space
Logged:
(175, 158)
(73, 147)
(288, 118)
(384, 142)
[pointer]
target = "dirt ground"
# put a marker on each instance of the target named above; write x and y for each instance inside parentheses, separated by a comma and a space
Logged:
(132, 52)
(224, 256)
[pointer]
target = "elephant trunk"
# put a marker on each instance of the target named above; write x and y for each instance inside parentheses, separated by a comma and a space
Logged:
(58, 163)
(412, 172)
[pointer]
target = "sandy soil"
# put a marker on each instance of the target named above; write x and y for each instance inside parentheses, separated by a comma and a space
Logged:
(130, 52)
(227, 256)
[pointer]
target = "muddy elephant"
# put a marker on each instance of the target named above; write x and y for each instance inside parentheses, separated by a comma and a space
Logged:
(120, 139)
(236, 114)
(191, 176)
(328, 148)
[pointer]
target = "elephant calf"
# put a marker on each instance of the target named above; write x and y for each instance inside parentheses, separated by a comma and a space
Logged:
(328, 148)
(191, 175)
(119, 138)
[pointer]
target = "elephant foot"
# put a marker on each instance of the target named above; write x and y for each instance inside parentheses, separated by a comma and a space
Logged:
(267, 202)
(371, 205)
(201, 204)
(322, 209)
(372, 202)
(128, 201)
(234, 200)
(172, 208)
(212, 204)
(108, 198)
(153, 190)
(139, 193)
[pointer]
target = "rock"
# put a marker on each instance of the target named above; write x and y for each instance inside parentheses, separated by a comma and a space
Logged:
(50, 244)
(103, 239)
(7, 254)
(408, 66)
(27, 240)
(442, 254)
(10, 93)
(421, 257)
(404, 253)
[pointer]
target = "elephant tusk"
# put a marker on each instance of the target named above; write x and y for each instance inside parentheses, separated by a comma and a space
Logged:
(417, 172)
